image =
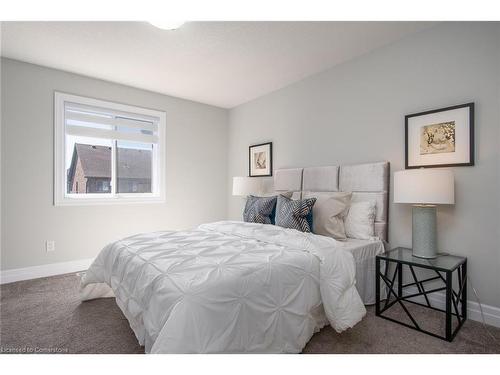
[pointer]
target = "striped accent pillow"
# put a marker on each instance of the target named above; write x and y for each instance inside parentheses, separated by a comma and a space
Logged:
(295, 214)
(259, 210)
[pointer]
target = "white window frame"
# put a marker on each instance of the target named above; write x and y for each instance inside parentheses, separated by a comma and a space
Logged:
(63, 198)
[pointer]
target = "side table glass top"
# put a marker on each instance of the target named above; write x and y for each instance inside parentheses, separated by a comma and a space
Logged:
(443, 262)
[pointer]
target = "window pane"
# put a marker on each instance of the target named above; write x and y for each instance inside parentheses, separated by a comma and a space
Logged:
(88, 165)
(134, 166)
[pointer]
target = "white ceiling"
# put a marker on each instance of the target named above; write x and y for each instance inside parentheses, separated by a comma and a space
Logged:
(219, 63)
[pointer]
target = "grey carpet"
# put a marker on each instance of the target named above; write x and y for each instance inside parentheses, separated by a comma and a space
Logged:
(45, 315)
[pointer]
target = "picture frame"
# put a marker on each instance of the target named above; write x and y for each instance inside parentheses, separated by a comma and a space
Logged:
(440, 137)
(260, 160)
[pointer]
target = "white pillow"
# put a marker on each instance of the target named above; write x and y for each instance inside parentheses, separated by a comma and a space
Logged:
(360, 220)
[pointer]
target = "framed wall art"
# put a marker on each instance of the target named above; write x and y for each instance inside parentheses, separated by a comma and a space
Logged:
(260, 160)
(440, 138)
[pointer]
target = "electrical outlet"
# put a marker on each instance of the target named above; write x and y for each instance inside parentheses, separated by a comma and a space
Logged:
(50, 245)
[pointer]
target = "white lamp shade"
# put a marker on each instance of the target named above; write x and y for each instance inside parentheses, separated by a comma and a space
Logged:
(424, 186)
(244, 186)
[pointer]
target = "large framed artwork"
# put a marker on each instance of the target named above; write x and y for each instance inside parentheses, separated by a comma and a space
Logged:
(440, 138)
(260, 160)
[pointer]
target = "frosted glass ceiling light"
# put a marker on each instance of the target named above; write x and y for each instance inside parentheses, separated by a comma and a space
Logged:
(167, 24)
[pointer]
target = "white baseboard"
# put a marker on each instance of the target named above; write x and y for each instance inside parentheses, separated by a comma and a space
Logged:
(28, 273)
(491, 313)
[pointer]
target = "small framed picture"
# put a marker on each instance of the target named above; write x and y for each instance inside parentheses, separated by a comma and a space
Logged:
(440, 138)
(260, 160)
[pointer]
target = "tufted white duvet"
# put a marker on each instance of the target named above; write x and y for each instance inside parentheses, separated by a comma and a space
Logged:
(228, 287)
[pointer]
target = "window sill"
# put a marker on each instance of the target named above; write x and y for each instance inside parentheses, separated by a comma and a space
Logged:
(107, 201)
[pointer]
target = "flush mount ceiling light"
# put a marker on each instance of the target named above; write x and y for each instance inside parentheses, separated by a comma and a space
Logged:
(167, 24)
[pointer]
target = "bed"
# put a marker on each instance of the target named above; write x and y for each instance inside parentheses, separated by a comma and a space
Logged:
(367, 181)
(232, 287)
(364, 253)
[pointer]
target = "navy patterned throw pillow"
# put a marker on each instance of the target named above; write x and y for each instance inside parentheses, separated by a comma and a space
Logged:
(295, 214)
(259, 210)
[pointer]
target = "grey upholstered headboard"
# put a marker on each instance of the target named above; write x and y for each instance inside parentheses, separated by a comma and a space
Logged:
(368, 181)
(289, 180)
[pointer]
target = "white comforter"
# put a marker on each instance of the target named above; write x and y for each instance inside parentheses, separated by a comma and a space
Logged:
(227, 287)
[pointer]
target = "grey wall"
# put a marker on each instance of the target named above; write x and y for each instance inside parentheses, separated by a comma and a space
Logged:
(354, 113)
(195, 169)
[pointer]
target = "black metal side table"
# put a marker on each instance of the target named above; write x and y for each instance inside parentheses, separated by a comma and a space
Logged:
(456, 300)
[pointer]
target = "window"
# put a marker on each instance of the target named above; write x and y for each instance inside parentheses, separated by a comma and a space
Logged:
(107, 152)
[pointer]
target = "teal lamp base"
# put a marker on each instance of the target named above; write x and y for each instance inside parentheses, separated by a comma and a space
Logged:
(424, 234)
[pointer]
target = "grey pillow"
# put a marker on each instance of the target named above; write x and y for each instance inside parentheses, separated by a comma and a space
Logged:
(259, 209)
(295, 214)
(329, 213)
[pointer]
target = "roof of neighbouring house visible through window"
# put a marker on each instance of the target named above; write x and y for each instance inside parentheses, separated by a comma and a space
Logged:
(96, 161)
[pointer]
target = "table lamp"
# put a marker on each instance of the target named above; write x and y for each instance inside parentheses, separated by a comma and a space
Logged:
(424, 189)
(244, 186)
